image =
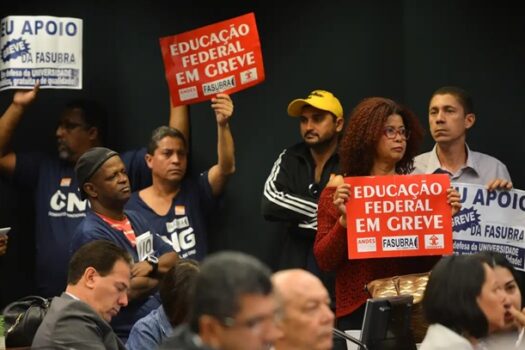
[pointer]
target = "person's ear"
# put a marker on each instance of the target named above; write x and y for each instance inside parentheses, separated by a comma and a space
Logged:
(339, 123)
(90, 190)
(90, 277)
(470, 119)
(93, 134)
(149, 159)
(210, 331)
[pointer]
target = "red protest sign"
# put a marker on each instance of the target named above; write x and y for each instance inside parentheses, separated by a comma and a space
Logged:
(398, 215)
(221, 57)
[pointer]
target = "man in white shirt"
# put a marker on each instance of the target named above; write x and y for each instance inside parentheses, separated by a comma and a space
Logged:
(450, 115)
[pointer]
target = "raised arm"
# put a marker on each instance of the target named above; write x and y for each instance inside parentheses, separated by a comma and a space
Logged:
(8, 123)
(179, 119)
(219, 173)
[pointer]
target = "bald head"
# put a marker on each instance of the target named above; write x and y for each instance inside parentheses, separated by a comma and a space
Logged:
(307, 318)
(295, 282)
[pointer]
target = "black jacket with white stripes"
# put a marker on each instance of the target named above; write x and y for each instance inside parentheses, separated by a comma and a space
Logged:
(290, 196)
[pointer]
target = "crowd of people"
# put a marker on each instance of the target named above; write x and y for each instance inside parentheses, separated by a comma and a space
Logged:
(121, 239)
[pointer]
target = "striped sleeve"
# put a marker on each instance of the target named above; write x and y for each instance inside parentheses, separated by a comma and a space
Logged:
(280, 204)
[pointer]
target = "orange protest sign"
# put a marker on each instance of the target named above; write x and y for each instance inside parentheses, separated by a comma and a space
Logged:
(398, 215)
(221, 57)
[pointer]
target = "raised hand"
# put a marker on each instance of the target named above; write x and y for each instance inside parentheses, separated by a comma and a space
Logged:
(223, 108)
(24, 98)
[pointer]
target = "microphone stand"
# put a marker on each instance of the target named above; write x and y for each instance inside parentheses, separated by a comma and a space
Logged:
(351, 339)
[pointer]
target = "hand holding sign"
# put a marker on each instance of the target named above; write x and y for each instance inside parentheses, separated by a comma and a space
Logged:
(24, 98)
(499, 184)
(341, 196)
(454, 199)
(223, 107)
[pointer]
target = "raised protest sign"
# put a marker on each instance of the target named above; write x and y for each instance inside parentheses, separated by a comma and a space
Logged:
(492, 221)
(222, 57)
(398, 215)
(40, 48)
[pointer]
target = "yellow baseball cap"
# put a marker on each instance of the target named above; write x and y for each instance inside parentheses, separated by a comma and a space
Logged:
(320, 99)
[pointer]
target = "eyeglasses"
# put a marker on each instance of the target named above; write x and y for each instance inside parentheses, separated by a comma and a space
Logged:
(314, 189)
(390, 132)
(255, 324)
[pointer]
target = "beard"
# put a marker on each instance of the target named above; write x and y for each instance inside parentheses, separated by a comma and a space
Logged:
(64, 152)
(319, 143)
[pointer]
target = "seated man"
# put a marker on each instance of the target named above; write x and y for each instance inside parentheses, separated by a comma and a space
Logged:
(175, 292)
(307, 320)
(233, 307)
(102, 178)
(97, 284)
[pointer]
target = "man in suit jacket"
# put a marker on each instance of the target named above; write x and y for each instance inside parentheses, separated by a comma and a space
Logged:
(98, 281)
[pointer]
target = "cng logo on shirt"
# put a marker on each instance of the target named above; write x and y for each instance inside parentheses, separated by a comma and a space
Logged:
(67, 204)
(177, 223)
(182, 234)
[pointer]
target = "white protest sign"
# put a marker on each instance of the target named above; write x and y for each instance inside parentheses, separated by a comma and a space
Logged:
(40, 48)
(144, 244)
(493, 221)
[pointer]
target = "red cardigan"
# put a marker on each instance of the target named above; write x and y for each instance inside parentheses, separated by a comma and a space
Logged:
(331, 253)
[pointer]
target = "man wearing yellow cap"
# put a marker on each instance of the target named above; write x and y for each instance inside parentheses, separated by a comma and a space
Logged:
(300, 173)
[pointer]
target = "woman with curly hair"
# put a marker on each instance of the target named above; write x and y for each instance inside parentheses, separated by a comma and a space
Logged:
(381, 138)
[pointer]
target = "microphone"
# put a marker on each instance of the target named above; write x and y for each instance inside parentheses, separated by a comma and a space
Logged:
(351, 339)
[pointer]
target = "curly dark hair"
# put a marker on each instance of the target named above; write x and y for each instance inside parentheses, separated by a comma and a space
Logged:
(363, 131)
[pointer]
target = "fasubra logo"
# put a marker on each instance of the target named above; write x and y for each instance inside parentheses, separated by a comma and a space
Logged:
(400, 243)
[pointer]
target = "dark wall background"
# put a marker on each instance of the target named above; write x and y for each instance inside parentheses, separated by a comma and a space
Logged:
(399, 49)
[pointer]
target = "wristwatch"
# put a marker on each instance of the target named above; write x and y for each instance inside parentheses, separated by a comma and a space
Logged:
(154, 262)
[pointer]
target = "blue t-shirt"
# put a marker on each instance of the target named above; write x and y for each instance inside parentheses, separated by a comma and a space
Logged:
(185, 224)
(92, 228)
(59, 209)
(150, 331)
